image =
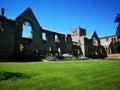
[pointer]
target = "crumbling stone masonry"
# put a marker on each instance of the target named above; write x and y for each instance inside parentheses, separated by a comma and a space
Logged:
(41, 41)
(15, 45)
(89, 47)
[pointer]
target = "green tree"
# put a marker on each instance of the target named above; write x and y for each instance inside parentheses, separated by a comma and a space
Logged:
(115, 45)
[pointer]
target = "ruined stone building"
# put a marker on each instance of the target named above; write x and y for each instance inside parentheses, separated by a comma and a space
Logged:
(42, 41)
(14, 43)
(90, 47)
(107, 40)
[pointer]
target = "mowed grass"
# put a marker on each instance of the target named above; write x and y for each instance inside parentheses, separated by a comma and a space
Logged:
(63, 75)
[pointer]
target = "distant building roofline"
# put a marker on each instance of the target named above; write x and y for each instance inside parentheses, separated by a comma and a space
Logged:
(107, 36)
(46, 29)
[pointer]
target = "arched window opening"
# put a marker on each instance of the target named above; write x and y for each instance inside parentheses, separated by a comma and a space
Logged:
(50, 48)
(96, 53)
(95, 42)
(59, 49)
(56, 38)
(27, 30)
(44, 36)
(78, 51)
(22, 47)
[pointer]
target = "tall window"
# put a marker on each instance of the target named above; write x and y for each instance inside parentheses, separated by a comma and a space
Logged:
(50, 48)
(95, 42)
(56, 38)
(27, 30)
(22, 47)
(59, 50)
(44, 36)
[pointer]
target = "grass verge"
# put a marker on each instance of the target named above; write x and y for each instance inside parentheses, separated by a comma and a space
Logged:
(62, 75)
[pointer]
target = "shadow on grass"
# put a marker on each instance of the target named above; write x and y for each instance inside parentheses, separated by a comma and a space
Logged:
(12, 75)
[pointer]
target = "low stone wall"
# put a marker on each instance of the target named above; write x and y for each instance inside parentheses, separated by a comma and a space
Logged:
(113, 56)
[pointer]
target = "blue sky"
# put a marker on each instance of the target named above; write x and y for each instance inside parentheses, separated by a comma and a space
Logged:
(63, 15)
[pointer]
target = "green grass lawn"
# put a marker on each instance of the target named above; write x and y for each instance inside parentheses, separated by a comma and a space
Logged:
(61, 75)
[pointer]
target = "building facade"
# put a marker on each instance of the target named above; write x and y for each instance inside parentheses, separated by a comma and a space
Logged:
(111, 43)
(18, 41)
(89, 47)
(106, 41)
(13, 41)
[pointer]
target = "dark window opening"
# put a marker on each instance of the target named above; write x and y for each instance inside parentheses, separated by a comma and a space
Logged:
(1, 28)
(50, 48)
(22, 47)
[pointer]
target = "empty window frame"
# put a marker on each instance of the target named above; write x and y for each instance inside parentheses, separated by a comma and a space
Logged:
(27, 30)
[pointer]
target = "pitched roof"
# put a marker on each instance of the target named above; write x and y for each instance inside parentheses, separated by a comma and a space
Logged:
(94, 34)
(28, 12)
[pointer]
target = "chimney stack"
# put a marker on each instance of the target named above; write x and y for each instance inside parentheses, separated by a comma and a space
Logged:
(2, 11)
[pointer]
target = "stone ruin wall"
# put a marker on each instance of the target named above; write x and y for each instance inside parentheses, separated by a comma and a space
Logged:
(11, 37)
(7, 36)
